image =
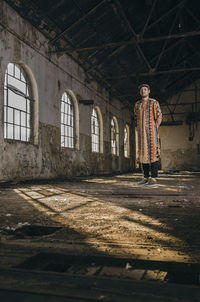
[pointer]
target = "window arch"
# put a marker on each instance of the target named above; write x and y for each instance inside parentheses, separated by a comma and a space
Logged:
(126, 141)
(114, 136)
(18, 104)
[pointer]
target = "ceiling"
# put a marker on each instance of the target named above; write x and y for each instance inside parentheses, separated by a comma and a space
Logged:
(123, 43)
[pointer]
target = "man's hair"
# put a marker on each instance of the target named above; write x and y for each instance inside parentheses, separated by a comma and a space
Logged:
(144, 85)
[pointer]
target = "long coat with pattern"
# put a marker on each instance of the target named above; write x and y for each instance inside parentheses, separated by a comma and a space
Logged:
(148, 118)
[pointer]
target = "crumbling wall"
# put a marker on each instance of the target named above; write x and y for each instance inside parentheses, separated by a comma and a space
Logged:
(179, 133)
(51, 75)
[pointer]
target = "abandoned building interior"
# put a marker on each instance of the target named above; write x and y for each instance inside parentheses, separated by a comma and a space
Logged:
(75, 226)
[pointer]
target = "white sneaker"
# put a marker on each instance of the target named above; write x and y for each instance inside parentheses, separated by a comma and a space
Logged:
(151, 183)
(143, 182)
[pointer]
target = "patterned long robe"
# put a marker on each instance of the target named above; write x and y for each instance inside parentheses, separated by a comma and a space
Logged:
(148, 118)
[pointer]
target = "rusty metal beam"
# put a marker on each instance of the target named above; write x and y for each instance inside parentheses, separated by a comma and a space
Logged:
(122, 47)
(119, 11)
(174, 36)
(148, 18)
(154, 73)
(182, 104)
(93, 48)
(165, 43)
(126, 43)
(192, 15)
(181, 3)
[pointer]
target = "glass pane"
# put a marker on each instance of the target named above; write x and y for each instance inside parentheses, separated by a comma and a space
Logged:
(66, 130)
(10, 69)
(65, 120)
(62, 107)
(17, 83)
(23, 119)
(28, 90)
(62, 118)
(23, 76)
(17, 117)
(62, 130)
(28, 120)
(16, 101)
(23, 134)
(10, 115)
(17, 132)
(65, 108)
(28, 106)
(9, 131)
(5, 114)
(66, 142)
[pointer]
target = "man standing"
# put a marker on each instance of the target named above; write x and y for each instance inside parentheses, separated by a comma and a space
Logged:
(148, 117)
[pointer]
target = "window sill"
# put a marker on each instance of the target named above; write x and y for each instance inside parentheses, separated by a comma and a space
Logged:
(14, 141)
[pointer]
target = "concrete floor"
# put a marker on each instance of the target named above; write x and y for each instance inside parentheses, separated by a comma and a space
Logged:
(151, 228)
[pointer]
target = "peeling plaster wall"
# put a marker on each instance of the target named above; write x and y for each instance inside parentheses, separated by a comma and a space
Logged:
(51, 76)
(179, 148)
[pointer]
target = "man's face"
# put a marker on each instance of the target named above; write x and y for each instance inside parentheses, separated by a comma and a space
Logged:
(144, 92)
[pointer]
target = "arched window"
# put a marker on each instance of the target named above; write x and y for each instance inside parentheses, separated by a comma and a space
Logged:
(95, 131)
(114, 136)
(126, 141)
(18, 104)
(67, 121)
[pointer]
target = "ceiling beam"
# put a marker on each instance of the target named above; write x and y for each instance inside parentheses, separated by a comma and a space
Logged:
(116, 51)
(192, 15)
(148, 18)
(117, 8)
(166, 14)
(122, 47)
(166, 41)
(182, 104)
(154, 73)
(59, 36)
(126, 43)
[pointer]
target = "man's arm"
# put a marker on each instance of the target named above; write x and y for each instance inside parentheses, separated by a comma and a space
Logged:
(135, 114)
(157, 113)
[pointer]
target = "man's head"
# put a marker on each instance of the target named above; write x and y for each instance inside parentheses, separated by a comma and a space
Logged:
(144, 90)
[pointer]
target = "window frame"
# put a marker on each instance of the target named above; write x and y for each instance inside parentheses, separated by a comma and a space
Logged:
(93, 134)
(23, 78)
(116, 139)
(127, 128)
(67, 115)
